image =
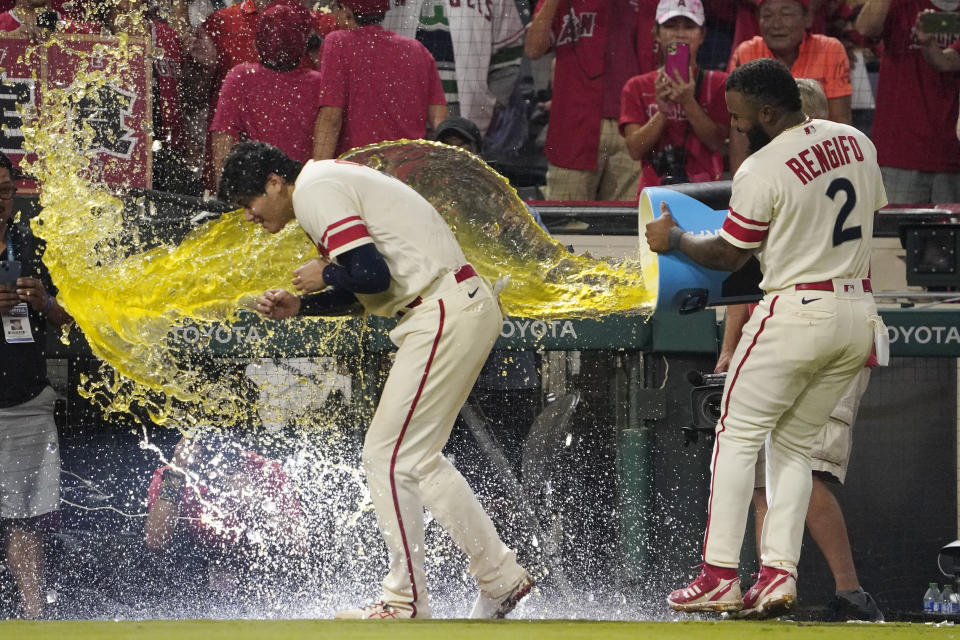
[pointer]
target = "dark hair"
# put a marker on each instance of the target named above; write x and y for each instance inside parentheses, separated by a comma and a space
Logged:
(7, 163)
(766, 81)
(247, 168)
(462, 127)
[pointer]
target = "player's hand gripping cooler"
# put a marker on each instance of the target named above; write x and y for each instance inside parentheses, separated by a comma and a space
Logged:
(680, 283)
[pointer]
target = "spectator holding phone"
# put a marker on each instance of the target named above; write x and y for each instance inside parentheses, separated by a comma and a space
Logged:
(929, 25)
(917, 104)
(674, 119)
(29, 453)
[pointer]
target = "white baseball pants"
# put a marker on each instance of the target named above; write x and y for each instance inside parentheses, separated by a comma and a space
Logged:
(441, 345)
(798, 353)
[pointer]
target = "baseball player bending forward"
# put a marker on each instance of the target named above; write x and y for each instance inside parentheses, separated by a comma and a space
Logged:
(384, 248)
(804, 201)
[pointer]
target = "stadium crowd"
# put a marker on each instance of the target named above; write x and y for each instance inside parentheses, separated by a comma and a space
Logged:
(316, 79)
(633, 96)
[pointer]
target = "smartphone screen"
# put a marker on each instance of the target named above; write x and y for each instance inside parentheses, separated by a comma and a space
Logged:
(9, 272)
(940, 22)
(678, 61)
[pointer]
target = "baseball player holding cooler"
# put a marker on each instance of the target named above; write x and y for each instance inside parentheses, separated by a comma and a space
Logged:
(804, 201)
(386, 249)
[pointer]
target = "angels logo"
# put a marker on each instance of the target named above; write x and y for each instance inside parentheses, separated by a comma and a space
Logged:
(106, 114)
(16, 94)
(576, 27)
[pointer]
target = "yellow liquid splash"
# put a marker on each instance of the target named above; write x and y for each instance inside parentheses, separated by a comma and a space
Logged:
(129, 301)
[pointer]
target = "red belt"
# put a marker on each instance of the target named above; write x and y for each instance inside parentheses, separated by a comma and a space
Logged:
(463, 273)
(827, 285)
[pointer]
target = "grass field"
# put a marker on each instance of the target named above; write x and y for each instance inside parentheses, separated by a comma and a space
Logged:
(463, 630)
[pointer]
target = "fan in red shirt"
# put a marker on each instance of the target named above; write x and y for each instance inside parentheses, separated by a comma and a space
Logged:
(32, 17)
(230, 499)
(274, 100)
(224, 40)
(375, 85)
(917, 104)
(599, 45)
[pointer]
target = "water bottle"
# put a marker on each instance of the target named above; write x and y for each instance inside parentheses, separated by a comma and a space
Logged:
(931, 599)
(949, 602)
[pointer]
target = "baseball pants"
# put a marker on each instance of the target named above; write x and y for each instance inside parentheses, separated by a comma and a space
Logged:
(441, 346)
(798, 354)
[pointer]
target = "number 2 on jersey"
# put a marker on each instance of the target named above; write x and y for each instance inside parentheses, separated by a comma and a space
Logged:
(841, 235)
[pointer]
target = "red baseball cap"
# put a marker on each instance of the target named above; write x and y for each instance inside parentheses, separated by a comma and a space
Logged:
(282, 34)
(367, 7)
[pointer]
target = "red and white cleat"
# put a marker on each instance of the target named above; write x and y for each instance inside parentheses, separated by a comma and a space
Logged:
(715, 589)
(773, 594)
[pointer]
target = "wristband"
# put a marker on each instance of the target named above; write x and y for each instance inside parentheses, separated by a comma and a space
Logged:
(674, 237)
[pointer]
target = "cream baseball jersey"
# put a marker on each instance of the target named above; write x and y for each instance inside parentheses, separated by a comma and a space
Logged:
(342, 205)
(807, 200)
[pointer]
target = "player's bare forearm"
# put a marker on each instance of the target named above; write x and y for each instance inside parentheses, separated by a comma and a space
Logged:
(222, 143)
(713, 252)
(436, 113)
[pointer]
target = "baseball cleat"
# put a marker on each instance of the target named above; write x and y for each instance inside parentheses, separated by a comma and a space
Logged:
(380, 611)
(490, 608)
(715, 589)
(772, 595)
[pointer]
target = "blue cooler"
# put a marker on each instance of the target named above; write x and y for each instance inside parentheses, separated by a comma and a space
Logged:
(680, 284)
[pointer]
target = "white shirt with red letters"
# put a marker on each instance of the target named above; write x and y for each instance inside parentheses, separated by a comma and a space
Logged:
(807, 201)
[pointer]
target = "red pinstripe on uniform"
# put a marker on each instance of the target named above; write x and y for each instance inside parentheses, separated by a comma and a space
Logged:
(726, 411)
(396, 449)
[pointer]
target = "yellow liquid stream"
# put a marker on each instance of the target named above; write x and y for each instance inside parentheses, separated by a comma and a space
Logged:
(127, 300)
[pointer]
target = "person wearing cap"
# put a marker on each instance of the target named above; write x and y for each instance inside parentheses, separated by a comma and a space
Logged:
(598, 48)
(478, 52)
(215, 485)
(375, 85)
(29, 448)
(676, 127)
(225, 39)
(275, 100)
